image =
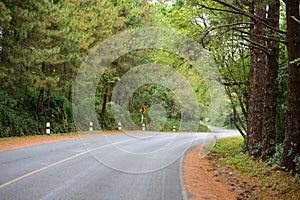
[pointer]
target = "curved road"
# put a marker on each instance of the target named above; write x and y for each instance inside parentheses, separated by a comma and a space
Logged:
(139, 166)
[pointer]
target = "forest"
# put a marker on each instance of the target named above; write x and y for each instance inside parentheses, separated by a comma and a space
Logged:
(254, 44)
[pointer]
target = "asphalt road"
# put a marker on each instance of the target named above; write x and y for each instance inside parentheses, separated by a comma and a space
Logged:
(138, 166)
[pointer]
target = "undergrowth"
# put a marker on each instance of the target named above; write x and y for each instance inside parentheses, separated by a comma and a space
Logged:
(267, 176)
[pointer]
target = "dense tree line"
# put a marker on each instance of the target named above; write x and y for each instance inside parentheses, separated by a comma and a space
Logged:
(256, 46)
(42, 44)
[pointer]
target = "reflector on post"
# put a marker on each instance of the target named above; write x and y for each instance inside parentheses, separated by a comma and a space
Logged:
(91, 126)
(48, 128)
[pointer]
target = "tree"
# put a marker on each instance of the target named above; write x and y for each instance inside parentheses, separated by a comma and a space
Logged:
(42, 45)
(290, 157)
(292, 134)
(271, 86)
(28, 56)
(255, 25)
(256, 97)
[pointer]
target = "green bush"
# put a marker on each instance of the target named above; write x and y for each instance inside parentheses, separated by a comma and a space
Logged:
(170, 123)
(297, 162)
(18, 115)
(275, 159)
(16, 123)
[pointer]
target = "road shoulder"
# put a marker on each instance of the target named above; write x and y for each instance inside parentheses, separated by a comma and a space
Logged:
(27, 141)
(200, 182)
(22, 142)
(244, 176)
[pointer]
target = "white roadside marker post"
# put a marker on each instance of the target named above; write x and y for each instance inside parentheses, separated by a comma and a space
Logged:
(48, 128)
(91, 126)
(143, 124)
(119, 126)
(143, 110)
(215, 141)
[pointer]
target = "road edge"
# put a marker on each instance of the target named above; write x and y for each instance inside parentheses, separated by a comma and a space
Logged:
(184, 192)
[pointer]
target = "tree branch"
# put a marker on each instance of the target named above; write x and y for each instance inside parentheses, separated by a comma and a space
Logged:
(294, 18)
(222, 26)
(255, 45)
(219, 9)
(263, 37)
(228, 84)
(251, 16)
(235, 115)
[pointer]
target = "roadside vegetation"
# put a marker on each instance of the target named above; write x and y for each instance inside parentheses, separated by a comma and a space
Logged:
(266, 176)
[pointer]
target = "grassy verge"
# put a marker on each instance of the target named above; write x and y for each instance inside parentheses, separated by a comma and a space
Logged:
(271, 181)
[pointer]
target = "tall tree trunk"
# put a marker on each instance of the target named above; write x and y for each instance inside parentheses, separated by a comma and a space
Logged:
(292, 134)
(40, 101)
(102, 114)
(256, 97)
(48, 97)
(39, 104)
(70, 93)
(270, 85)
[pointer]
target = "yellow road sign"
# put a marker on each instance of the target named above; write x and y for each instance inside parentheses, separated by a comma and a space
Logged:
(143, 110)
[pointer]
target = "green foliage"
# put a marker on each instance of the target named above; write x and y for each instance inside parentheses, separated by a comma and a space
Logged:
(232, 149)
(229, 147)
(230, 152)
(227, 33)
(276, 158)
(16, 120)
(168, 127)
(13, 123)
(231, 57)
(59, 115)
(297, 162)
(282, 96)
(42, 45)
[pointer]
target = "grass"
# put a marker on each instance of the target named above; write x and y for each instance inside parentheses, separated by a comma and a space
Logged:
(270, 179)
